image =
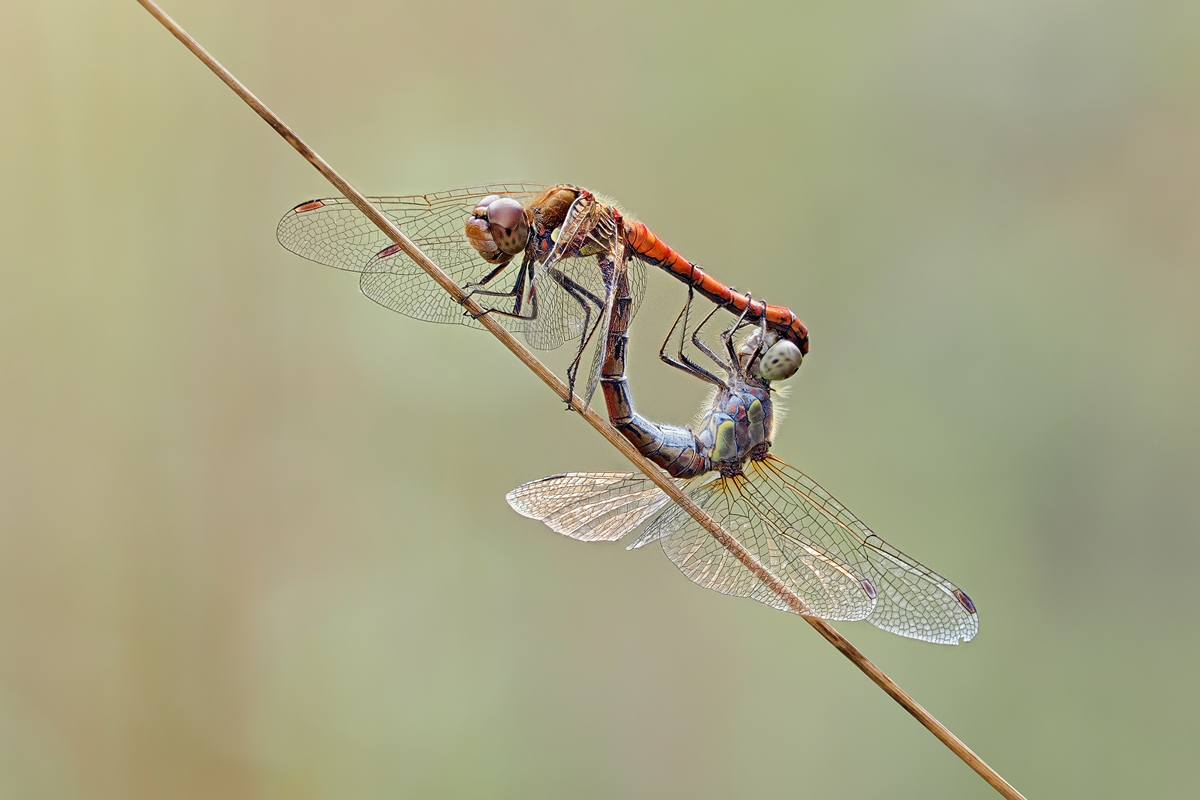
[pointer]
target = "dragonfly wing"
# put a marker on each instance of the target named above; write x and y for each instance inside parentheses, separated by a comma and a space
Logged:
(335, 233)
(567, 285)
(915, 601)
(831, 588)
(415, 296)
(590, 506)
(912, 600)
(574, 283)
(835, 563)
(635, 278)
(601, 339)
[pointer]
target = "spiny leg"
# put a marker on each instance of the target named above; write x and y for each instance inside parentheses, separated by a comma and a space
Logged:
(517, 292)
(700, 345)
(759, 347)
(727, 334)
(681, 361)
(516, 313)
(583, 297)
(486, 279)
(743, 359)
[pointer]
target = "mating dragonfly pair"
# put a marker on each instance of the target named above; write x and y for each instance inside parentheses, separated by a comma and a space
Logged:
(560, 265)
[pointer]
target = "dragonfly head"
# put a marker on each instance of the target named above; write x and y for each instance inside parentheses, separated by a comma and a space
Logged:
(778, 361)
(498, 228)
(781, 361)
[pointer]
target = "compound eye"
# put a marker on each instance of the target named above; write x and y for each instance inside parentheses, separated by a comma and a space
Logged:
(781, 361)
(509, 226)
(482, 240)
(505, 211)
(482, 206)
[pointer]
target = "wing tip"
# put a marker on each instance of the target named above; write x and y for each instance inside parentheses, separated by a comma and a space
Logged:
(964, 601)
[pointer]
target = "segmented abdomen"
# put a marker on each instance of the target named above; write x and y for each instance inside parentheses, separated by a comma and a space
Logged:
(673, 448)
(650, 248)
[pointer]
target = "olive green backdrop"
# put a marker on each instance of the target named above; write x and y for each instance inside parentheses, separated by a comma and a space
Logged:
(253, 537)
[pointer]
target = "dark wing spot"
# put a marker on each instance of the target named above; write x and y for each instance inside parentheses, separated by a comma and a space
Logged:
(964, 600)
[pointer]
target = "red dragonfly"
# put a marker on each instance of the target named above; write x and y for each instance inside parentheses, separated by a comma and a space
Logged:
(539, 258)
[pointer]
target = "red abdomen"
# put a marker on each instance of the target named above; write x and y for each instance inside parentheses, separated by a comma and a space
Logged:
(654, 250)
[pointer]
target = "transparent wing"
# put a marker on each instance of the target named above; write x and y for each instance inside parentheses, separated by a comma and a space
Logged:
(912, 600)
(634, 275)
(335, 233)
(834, 562)
(590, 506)
(569, 306)
(567, 286)
(600, 335)
(831, 588)
(574, 284)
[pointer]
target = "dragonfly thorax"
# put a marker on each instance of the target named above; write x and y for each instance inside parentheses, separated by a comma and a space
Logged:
(739, 422)
(737, 426)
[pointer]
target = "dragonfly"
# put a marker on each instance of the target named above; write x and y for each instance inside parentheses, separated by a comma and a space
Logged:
(840, 567)
(541, 259)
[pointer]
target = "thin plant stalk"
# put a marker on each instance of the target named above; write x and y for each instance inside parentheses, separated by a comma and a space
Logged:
(659, 477)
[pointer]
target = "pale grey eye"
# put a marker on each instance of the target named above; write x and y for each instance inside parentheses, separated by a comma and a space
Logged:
(780, 361)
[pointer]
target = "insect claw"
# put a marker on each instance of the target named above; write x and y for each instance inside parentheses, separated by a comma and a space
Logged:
(470, 290)
(476, 316)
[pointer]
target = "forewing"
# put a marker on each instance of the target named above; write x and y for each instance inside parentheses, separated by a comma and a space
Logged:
(335, 233)
(574, 286)
(567, 287)
(830, 588)
(912, 601)
(589, 506)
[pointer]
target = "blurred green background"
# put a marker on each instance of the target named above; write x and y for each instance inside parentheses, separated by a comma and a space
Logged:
(253, 537)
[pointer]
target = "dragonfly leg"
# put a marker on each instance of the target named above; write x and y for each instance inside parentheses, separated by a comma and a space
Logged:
(680, 361)
(517, 292)
(486, 279)
(585, 299)
(760, 346)
(533, 309)
(702, 347)
(727, 334)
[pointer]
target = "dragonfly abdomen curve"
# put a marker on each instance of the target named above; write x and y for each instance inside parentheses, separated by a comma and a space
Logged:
(673, 448)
